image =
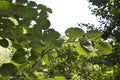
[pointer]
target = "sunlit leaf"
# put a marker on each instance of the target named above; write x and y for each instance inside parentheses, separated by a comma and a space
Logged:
(74, 32)
(5, 4)
(111, 1)
(103, 47)
(59, 78)
(54, 54)
(39, 75)
(46, 59)
(14, 21)
(80, 49)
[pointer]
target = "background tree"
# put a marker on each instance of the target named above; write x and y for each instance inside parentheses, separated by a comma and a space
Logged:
(109, 12)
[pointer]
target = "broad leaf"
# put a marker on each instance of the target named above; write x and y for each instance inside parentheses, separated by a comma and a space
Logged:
(74, 33)
(43, 7)
(4, 43)
(50, 37)
(43, 23)
(32, 4)
(80, 49)
(103, 47)
(8, 69)
(39, 75)
(5, 4)
(93, 34)
(19, 56)
(25, 12)
(46, 59)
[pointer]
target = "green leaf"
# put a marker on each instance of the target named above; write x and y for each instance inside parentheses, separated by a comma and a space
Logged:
(4, 43)
(54, 54)
(111, 1)
(93, 34)
(59, 78)
(19, 56)
(21, 1)
(74, 33)
(49, 10)
(80, 49)
(43, 14)
(8, 69)
(43, 23)
(51, 34)
(5, 4)
(29, 75)
(39, 75)
(32, 4)
(14, 21)
(38, 48)
(43, 7)
(103, 47)
(30, 13)
(46, 60)
(25, 12)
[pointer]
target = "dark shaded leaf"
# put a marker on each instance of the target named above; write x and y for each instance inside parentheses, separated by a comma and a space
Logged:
(49, 10)
(4, 43)
(19, 56)
(43, 14)
(51, 34)
(21, 1)
(25, 12)
(43, 23)
(32, 4)
(8, 69)
(43, 7)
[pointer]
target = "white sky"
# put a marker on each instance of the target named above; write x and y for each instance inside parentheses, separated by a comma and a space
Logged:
(67, 13)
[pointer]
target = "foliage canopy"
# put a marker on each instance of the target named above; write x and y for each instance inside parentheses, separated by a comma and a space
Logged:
(39, 52)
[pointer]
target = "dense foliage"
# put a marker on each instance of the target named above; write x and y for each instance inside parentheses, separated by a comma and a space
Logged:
(109, 12)
(38, 52)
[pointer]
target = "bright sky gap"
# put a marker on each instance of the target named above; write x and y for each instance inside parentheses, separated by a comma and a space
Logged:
(68, 13)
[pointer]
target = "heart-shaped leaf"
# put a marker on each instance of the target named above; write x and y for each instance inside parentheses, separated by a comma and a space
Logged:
(74, 33)
(93, 34)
